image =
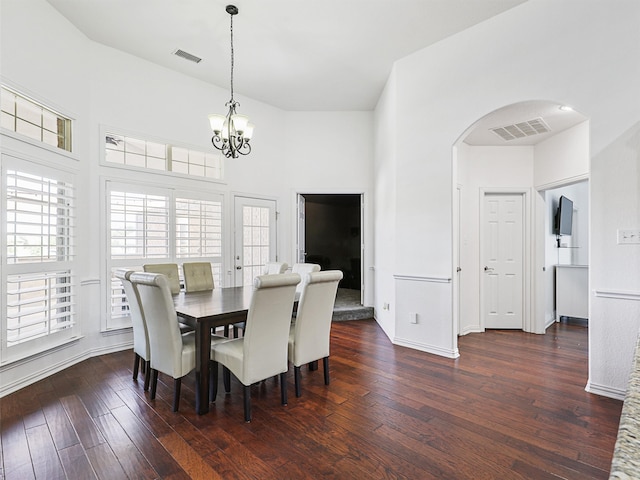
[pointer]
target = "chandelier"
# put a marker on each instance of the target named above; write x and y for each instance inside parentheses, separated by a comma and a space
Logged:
(231, 133)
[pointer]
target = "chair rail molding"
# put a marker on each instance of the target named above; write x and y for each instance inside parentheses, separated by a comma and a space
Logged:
(617, 294)
(423, 278)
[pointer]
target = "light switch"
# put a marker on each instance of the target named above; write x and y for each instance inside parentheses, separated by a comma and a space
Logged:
(413, 318)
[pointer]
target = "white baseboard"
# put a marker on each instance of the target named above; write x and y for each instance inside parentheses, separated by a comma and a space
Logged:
(443, 352)
(605, 391)
(34, 377)
(471, 329)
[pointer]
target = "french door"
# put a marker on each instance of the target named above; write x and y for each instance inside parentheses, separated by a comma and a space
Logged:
(255, 237)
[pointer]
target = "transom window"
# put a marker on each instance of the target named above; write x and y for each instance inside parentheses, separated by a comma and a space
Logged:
(139, 153)
(27, 117)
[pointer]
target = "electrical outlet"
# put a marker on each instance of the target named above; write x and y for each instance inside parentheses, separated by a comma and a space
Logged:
(628, 236)
(385, 306)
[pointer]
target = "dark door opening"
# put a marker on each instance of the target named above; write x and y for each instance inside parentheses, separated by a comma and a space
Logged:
(332, 235)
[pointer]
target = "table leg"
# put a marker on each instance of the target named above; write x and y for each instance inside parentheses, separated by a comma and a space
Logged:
(203, 355)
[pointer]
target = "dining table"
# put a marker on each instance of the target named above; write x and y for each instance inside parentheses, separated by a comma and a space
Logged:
(204, 311)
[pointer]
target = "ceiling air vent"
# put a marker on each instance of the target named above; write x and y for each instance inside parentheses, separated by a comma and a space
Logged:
(521, 130)
(187, 56)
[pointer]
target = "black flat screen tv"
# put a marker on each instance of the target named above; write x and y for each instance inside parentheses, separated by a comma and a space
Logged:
(564, 216)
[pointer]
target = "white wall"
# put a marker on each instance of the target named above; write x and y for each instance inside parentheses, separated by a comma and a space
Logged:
(384, 208)
(483, 168)
(614, 307)
(576, 60)
(44, 56)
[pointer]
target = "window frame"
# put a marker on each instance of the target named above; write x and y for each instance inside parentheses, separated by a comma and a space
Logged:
(110, 323)
(37, 345)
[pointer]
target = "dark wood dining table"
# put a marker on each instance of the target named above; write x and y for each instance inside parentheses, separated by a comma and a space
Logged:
(204, 311)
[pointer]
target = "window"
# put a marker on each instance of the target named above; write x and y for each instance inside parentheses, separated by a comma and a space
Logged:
(159, 225)
(26, 117)
(134, 152)
(40, 233)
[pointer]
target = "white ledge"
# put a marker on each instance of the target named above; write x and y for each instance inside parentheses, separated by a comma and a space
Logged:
(424, 278)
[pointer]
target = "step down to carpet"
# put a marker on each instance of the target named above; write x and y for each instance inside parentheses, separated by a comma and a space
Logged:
(341, 314)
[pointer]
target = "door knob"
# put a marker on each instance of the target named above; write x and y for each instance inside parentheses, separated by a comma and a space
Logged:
(238, 267)
(487, 269)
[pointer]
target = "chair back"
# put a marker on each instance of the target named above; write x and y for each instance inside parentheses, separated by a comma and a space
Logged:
(168, 269)
(302, 269)
(274, 268)
(165, 340)
(197, 276)
(313, 320)
(140, 334)
(267, 328)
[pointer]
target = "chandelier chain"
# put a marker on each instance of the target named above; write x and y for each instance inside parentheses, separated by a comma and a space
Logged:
(232, 60)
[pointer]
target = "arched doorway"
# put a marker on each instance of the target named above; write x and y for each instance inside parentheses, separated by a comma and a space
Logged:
(524, 148)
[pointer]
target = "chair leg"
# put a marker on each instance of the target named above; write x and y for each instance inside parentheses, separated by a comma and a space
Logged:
(283, 388)
(296, 378)
(226, 331)
(247, 403)
(226, 379)
(313, 366)
(177, 383)
(136, 363)
(147, 374)
(325, 364)
(154, 383)
(213, 382)
(236, 332)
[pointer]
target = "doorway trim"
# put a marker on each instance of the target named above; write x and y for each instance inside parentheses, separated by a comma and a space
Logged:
(527, 257)
(364, 229)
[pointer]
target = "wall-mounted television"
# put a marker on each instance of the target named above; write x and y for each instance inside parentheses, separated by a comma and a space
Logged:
(564, 216)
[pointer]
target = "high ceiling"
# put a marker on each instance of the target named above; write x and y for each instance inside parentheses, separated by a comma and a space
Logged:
(293, 54)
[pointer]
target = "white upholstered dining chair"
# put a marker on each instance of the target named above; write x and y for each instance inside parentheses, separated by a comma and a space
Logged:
(274, 268)
(172, 353)
(302, 269)
(141, 353)
(168, 269)
(310, 334)
(270, 268)
(197, 276)
(262, 352)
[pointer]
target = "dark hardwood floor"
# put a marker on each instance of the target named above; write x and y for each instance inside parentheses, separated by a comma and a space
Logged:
(512, 406)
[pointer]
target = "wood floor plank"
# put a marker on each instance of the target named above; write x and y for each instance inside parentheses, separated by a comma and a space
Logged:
(87, 431)
(62, 431)
(47, 463)
(75, 463)
(130, 458)
(17, 462)
(148, 444)
(190, 461)
(512, 406)
(105, 463)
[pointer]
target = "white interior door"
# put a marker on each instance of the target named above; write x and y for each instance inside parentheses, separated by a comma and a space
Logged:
(502, 256)
(255, 237)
